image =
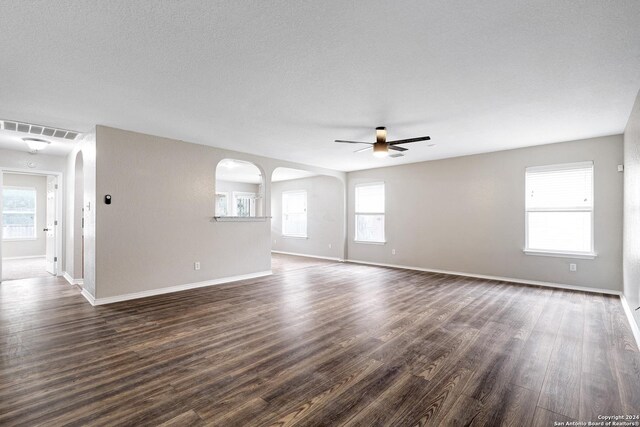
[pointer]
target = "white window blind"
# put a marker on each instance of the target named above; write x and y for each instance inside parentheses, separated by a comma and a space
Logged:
(18, 213)
(369, 213)
(559, 208)
(294, 213)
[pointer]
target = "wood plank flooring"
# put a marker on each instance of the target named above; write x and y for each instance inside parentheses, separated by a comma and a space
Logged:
(331, 344)
(281, 263)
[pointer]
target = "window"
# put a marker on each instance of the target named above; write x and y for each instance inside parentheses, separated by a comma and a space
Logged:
(222, 204)
(370, 213)
(294, 213)
(18, 213)
(559, 209)
(244, 204)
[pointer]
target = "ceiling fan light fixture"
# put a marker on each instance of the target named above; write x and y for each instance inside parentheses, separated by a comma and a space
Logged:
(36, 144)
(381, 134)
(380, 149)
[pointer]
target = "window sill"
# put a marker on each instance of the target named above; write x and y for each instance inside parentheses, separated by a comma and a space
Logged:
(239, 218)
(369, 243)
(286, 236)
(577, 255)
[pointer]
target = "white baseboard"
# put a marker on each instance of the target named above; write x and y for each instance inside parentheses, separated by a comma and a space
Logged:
(308, 256)
(22, 257)
(88, 297)
(71, 280)
(170, 289)
(68, 277)
(634, 326)
(502, 279)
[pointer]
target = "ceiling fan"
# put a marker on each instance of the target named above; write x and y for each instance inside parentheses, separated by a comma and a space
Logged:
(381, 147)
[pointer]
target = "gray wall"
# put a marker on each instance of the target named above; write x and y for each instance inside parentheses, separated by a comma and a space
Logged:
(325, 217)
(159, 223)
(29, 248)
(466, 215)
(230, 187)
(631, 259)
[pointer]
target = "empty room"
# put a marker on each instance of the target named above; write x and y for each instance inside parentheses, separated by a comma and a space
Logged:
(320, 213)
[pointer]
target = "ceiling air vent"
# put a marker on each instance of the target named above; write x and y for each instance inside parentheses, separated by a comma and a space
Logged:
(39, 130)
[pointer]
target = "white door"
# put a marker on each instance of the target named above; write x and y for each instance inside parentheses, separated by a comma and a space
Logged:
(51, 223)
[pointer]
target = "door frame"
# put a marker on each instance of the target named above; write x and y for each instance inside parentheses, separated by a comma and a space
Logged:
(59, 215)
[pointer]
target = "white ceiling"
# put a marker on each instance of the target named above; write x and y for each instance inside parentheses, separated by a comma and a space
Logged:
(285, 78)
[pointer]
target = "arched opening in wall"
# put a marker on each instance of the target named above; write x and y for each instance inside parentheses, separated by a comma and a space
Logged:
(78, 219)
(239, 190)
(307, 219)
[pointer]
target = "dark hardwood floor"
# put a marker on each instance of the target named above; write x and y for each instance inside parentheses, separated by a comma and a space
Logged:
(334, 344)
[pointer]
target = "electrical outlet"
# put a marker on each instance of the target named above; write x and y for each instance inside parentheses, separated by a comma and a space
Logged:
(196, 265)
(329, 245)
(573, 267)
(393, 251)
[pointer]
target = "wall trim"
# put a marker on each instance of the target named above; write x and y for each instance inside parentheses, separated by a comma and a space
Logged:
(22, 257)
(502, 279)
(68, 277)
(171, 289)
(88, 297)
(71, 280)
(308, 256)
(632, 320)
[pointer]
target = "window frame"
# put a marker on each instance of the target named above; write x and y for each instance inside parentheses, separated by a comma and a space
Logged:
(383, 214)
(35, 214)
(590, 254)
(306, 215)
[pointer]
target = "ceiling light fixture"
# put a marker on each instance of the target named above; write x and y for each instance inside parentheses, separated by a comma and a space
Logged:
(380, 149)
(36, 144)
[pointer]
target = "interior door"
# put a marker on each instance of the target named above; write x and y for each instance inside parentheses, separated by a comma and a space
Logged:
(51, 223)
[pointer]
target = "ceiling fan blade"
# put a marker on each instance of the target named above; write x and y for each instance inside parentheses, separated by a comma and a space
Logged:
(364, 149)
(353, 142)
(391, 147)
(396, 155)
(406, 141)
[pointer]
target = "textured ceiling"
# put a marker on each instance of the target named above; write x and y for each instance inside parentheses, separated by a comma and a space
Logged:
(285, 78)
